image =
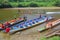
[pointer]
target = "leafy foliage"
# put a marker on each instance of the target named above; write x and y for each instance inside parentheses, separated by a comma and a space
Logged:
(33, 5)
(20, 5)
(57, 4)
(29, 3)
(51, 38)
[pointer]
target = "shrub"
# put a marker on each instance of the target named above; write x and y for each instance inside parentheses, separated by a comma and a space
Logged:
(57, 4)
(20, 5)
(0, 5)
(33, 5)
(5, 6)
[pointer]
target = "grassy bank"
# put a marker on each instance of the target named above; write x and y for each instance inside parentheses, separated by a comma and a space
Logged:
(51, 38)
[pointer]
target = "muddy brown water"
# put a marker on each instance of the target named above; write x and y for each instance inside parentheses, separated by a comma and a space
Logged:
(29, 34)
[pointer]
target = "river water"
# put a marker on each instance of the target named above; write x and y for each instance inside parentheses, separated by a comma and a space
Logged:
(30, 34)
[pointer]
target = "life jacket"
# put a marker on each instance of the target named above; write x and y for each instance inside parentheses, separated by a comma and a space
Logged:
(7, 30)
(3, 26)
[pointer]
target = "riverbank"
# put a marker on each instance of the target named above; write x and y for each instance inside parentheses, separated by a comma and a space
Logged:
(34, 8)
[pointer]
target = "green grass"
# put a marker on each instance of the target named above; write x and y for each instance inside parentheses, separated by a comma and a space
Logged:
(51, 38)
(55, 38)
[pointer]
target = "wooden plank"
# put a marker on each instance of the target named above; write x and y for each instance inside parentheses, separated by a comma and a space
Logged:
(53, 33)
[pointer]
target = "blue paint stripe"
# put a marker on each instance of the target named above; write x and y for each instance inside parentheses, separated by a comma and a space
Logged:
(30, 22)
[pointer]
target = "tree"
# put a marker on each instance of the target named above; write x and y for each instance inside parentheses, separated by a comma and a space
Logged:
(33, 5)
(5, 5)
(21, 0)
(20, 5)
(0, 5)
(13, 0)
(57, 4)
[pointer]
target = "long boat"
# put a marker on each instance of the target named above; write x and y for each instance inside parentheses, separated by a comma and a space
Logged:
(12, 22)
(49, 25)
(29, 24)
(18, 20)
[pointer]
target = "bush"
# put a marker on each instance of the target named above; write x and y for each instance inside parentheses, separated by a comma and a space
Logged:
(57, 4)
(33, 5)
(5, 6)
(20, 5)
(0, 5)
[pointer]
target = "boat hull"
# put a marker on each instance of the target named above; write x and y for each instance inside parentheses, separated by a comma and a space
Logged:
(41, 20)
(54, 23)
